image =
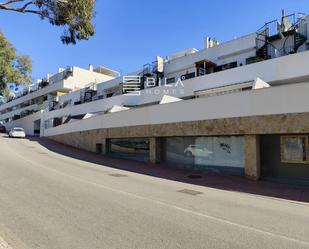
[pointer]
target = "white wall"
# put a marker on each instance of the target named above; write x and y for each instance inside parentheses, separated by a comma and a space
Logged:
(33, 95)
(287, 67)
(230, 51)
(81, 77)
(18, 111)
(27, 123)
(266, 101)
(73, 96)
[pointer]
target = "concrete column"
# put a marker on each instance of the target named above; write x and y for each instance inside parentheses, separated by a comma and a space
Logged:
(105, 146)
(252, 157)
(154, 150)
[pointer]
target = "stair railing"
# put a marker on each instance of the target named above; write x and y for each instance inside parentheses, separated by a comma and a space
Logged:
(271, 50)
(288, 46)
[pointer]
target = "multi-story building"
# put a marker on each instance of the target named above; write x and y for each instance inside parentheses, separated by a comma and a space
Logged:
(27, 107)
(238, 107)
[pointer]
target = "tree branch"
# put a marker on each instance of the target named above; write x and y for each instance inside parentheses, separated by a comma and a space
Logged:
(74, 15)
(10, 1)
(22, 9)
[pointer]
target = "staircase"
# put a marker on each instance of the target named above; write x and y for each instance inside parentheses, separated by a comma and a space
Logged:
(291, 29)
(299, 40)
(262, 52)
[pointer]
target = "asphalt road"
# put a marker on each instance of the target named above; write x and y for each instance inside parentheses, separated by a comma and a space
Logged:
(49, 201)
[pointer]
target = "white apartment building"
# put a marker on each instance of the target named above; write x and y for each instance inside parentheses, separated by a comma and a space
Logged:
(239, 107)
(27, 107)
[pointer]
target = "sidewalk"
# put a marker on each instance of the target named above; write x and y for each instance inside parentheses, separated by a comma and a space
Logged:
(207, 179)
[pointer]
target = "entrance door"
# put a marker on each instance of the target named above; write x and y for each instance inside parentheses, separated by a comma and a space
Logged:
(285, 157)
(37, 127)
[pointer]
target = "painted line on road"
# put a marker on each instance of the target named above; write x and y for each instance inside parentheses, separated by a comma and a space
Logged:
(195, 213)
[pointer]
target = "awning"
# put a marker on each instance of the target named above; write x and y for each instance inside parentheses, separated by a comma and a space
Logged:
(205, 63)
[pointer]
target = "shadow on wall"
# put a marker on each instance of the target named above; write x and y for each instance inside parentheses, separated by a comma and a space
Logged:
(165, 171)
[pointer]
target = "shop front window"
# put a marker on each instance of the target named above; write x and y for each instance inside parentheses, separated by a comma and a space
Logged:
(203, 152)
(294, 149)
(131, 148)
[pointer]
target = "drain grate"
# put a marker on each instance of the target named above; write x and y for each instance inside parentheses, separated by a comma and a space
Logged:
(118, 175)
(195, 176)
(190, 192)
(42, 153)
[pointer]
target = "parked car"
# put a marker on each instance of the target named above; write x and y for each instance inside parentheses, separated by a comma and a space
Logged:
(2, 129)
(17, 133)
(197, 151)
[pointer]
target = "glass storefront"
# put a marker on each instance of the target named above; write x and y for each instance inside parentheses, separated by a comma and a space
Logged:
(200, 153)
(131, 148)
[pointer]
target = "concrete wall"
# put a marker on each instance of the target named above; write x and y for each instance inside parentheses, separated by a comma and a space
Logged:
(72, 96)
(268, 101)
(227, 51)
(281, 70)
(33, 95)
(18, 111)
(82, 77)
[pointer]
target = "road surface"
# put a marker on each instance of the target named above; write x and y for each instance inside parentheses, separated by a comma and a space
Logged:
(51, 201)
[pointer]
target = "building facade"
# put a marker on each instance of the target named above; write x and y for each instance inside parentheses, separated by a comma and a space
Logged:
(239, 107)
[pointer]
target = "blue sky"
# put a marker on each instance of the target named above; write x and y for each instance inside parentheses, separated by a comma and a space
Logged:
(131, 33)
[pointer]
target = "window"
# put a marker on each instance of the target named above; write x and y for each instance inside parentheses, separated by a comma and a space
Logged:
(205, 152)
(294, 149)
(253, 59)
(226, 66)
(187, 76)
(47, 124)
(170, 80)
(130, 148)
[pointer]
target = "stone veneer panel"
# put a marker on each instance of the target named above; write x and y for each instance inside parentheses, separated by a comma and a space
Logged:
(271, 124)
(257, 125)
(252, 157)
(154, 150)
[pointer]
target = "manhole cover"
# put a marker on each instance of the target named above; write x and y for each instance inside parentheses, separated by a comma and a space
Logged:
(195, 176)
(190, 192)
(118, 175)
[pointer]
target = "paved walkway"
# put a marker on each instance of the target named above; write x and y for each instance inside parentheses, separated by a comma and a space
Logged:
(208, 179)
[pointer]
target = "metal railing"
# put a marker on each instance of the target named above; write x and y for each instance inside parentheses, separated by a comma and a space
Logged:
(299, 28)
(290, 24)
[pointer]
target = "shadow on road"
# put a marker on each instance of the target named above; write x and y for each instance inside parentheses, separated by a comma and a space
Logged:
(207, 179)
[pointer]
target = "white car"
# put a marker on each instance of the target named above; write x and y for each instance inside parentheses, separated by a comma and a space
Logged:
(197, 151)
(17, 132)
